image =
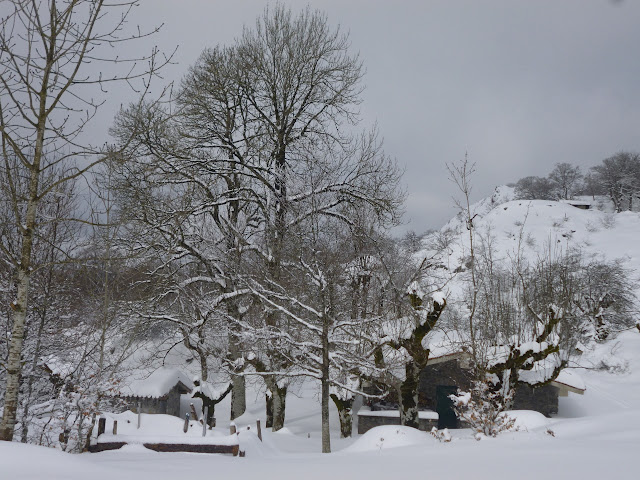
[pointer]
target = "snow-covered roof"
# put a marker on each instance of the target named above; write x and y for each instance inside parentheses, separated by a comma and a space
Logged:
(566, 381)
(442, 345)
(576, 202)
(156, 384)
(570, 380)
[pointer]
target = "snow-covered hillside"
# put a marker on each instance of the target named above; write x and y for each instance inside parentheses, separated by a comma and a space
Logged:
(594, 436)
(534, 226)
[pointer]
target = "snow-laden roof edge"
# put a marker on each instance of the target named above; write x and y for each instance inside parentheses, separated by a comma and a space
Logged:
(155, 385)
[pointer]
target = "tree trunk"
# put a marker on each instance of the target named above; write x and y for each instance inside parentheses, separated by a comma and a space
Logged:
(210, 407)
(269, 409)
(238, 396)
(32, 376)
(345, 414)
(238, 393)
(279, 404)
(21, 304)
(326, 433)
(615, 198)
(14, 365)
(409, 396)
(87, 440)
(276, 398)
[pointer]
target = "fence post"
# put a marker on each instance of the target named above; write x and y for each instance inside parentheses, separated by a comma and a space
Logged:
(102, 424)
(204, 421)
(232, 428)
(194, 414)
(186, 423)
(259, 429)
(115, 427)
(139, 413)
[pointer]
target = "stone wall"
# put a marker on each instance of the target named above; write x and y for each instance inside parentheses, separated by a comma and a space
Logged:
(542, 399)
(147, 404)
(367, 422)
(173, 401)
(445, 373)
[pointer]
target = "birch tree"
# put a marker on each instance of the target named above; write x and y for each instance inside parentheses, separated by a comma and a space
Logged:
(48, 97)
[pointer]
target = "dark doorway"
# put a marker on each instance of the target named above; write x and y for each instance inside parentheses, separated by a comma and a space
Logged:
(444, 406)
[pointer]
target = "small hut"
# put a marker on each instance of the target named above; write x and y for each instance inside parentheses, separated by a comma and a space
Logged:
(158, 392)
(581, 204)
(449, 370)
(447, 373)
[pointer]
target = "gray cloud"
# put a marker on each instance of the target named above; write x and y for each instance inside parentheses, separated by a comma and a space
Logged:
(519, 85)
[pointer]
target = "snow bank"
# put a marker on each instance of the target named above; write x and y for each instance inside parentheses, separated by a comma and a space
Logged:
(528, 419)
(29, 462)
(157, 428)
(390, 436)
(533, 226)
(253, 447)
(612, 376)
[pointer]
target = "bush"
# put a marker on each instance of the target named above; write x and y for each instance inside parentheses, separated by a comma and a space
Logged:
(482, 409)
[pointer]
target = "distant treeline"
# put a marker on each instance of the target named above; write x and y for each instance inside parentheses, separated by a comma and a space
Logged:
(617, 176)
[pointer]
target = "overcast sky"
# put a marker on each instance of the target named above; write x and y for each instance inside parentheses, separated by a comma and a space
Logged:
(519, 85)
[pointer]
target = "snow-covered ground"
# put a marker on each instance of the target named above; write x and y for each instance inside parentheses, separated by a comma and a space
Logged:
(594, 436)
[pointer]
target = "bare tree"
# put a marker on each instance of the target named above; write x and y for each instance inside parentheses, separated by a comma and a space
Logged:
(214, 117)
(460, 174)
(525, 317)
(619, 175)
(513, 311)
(302, 85)
(607, 301)
(324, 322)
(256, 147)
(192, 216)
(410, 306)
(592, 186)
(567, 179)
(534, 188)
(46, 102)
(51, 294)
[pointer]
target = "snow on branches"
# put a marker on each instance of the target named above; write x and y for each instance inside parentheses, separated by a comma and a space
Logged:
(483, 408)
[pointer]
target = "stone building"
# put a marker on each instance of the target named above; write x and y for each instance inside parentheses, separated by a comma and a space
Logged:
(448, 373)
(159, 392)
